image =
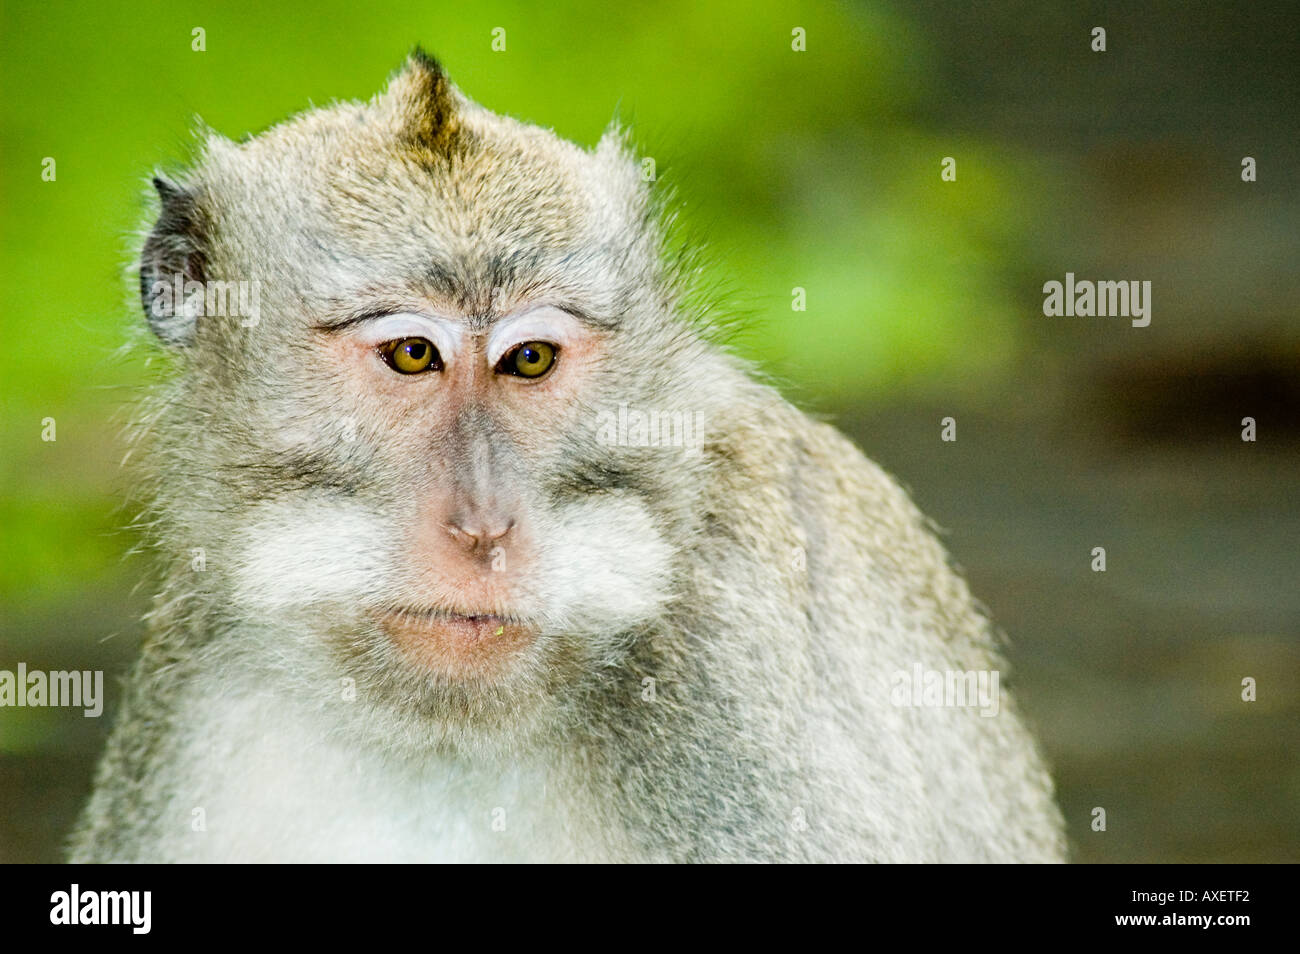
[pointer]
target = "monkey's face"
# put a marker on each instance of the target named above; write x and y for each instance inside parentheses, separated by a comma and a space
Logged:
(439, 515)
(505, 526)
(419, 449)
(463, 419)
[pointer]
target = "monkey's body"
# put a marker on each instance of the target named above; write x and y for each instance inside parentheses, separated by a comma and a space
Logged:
(715, 635)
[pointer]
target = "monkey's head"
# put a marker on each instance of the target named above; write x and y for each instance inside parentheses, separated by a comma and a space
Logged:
(437, 425)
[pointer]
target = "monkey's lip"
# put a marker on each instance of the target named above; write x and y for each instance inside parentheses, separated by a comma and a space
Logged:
(454, 644)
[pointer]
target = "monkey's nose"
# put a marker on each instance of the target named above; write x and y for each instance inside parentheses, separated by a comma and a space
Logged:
(479, 532)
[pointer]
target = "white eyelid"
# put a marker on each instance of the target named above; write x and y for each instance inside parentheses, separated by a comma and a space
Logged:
(440, 331)
(544, 323)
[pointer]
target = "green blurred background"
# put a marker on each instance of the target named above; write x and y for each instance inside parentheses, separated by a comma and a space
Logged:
(818, 170)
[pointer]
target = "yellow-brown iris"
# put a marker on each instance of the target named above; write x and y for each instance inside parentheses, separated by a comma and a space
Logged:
(531, 359)
(411, 355)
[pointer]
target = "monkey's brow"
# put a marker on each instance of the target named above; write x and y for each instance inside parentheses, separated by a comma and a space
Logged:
(346, 315)
(349, 314)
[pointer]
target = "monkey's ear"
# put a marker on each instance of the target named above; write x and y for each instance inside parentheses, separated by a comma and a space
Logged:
(173, 255)
(422, 105)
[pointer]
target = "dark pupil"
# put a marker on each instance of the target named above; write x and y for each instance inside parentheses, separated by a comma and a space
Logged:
(416, 350)
(531, 356)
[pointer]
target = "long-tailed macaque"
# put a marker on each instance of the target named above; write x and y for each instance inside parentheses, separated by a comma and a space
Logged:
(477, 545)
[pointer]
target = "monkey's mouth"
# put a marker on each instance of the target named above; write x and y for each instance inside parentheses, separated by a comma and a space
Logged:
(456, 645)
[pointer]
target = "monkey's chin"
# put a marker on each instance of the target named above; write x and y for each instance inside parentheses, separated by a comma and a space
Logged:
(457, 646)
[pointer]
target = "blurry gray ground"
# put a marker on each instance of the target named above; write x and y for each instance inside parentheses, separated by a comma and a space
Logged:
(1132, 676)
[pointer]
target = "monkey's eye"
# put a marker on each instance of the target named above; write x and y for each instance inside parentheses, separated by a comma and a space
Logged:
(531, 359)
(411, 355)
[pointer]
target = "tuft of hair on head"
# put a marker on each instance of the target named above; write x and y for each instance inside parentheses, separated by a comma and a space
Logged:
(422, 106)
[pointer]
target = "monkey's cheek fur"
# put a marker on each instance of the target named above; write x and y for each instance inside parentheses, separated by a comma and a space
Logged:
(457, 647)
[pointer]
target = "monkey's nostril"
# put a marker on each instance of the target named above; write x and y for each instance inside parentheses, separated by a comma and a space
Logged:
(467, 535)
(475, 533)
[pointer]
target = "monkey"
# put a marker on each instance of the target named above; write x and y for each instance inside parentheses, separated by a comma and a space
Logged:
(476, 542)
